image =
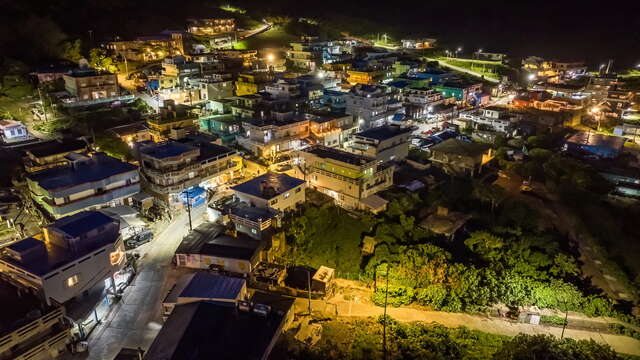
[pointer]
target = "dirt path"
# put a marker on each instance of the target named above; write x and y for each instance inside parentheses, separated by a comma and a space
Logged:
(358, 308)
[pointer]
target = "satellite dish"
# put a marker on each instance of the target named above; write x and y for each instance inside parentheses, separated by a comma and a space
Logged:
(83, 63)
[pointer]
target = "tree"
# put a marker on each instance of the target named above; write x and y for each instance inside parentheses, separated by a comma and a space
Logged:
(72, 50)
(99, 59)
(564, 265)
(524, 347)
(485, 244)
(113, 146)
(491, 193)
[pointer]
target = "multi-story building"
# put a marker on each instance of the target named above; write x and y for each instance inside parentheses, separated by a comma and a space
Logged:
(384, 143)
(418, 43)
(30, 330)
(268, 136)
(252, 82)
(493, 118)
(171, 116)
(372, 75)
(371, 106)
(214, 87)
(348, 178)
(210, 26)
(132, 133)
(150, 48)
(331, 129)
(85, 182)
(305, 55)
(464, 93)
(283, 89)
(460, 158)
(70, 257)
(51, 153)
(172, 167)
(279, 192)
(426, 78)
(421, 101)
(86, 84)
(11, 130)
(176, 69)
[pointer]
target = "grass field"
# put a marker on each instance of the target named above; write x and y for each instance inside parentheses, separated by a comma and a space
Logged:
(272, 38)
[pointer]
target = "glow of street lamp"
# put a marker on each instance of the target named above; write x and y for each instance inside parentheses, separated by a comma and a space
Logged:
(459, 49)
(532, 76)
(270, 57)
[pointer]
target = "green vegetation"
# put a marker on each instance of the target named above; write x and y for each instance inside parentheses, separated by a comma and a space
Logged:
(624, 330)
(113, 146)
(275, 37)
(490, 69)
(552, 320)
(362, 339)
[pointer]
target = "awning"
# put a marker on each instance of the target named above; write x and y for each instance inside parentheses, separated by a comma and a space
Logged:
(374, 203)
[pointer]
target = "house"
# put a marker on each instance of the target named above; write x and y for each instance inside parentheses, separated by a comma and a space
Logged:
(172, 167)
(305, 55)
(132, 133)
(209, 330)
(84, 182)
(51, 153)
(214, 87)
(29, 329)
(331, 129)
(269, 136)
(334, 100)
(88, 85)
(210, 26)
(252, 82)
(169, 117)
(11, 130)
(271, 190)
(224, 126)
(493, 118)
(208, 247)
(150, 48)
(204, 286)
(51, 72)
(418, 43)
(384, 143)
(489, 56)
(176, 70)
(283, 89)
(351, 180)
(72, 255)
(426, 78)
(257, 222)
(457, 157)
(371, 106)
(594, 144)
(465, 93)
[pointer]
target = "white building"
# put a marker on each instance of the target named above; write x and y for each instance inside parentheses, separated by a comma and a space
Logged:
(11, 130)
(283, 89)
(276, 191)
(493, 118)
(371, 106)
(73, 255)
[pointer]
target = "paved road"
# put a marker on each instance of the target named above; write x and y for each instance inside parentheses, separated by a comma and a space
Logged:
(136, 320)
(621, 344)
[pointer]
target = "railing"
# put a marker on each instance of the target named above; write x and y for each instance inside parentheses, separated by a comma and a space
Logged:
(25, 332)
(57, 341)
(334, 175)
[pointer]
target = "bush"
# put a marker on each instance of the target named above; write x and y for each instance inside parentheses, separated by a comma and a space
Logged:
(397, 296)
(624, 330)
(552, 320)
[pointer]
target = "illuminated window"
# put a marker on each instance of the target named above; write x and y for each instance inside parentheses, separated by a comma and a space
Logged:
(73, 281)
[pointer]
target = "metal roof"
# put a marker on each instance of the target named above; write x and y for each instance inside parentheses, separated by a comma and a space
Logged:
(205, 285)
(280, 183)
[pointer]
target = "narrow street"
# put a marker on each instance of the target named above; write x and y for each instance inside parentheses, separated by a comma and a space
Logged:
(136, 319)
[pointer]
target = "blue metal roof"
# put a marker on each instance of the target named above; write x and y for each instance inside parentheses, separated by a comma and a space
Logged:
(98, 168)
(279, 182)
(81, 223)
(24, 244)
(166, 149)
(211, 286)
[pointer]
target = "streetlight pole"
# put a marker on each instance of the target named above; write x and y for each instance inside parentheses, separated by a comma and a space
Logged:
(189, 210)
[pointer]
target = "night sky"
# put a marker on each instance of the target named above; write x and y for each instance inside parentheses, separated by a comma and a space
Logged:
(566, 30)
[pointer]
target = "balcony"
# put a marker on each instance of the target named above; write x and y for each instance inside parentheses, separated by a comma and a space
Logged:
(93, 200)
(32, 329)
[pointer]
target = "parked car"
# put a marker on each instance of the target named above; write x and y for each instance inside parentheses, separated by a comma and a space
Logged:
(138, 239)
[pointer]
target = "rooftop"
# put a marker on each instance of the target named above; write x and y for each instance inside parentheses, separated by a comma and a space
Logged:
(55, 147)
(383, 132)
(459, 147)
(338, 155)
(81, 223)
(208, 239)
(208, 150)
(205, 330)
(98, 167)
(129, 129)
(595, 139)
(166, 149)
(254, 214)
(206, 285)
(280, 183)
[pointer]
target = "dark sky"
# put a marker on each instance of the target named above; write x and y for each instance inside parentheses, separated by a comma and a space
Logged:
(580, 30)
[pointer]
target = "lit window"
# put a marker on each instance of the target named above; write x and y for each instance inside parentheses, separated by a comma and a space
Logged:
(254, 231)
(73, 281)
(286, 195)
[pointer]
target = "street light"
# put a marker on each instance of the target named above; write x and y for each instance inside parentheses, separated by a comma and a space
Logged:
(270, 57)
(531, 77)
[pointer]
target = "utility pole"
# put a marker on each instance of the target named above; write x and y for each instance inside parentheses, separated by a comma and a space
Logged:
(44, 110)
(309, 289)
(189, 210)
(384, 324)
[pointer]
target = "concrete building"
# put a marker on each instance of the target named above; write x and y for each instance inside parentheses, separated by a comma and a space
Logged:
(85, 182)
(385, 143)
(460, 158)
(150, 48)
(72, 256)
(269, 136)
(214, 87)
(280, 192)
(283, 89)
(171, 117)
(210, 26)
(422, 100)
(418, 43)
(305, 55)
(51, 153)
(493, 118)
(256, 222)
(172, 167)
(331, 129)
(252, 82)
(464, 93)
(351, 180)
(132, 133)
(176, 70)
(371, 106)
(30, 330)
(594, 144)
(90, 85)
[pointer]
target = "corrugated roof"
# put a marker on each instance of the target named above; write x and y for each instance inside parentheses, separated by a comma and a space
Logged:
(211, 286)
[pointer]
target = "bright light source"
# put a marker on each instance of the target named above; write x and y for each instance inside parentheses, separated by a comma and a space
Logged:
(479, 50)
(594, 110)
(601, 66)
(430, 108)
(459, 49)
(320, 75)
(532, 76)
(270, 57)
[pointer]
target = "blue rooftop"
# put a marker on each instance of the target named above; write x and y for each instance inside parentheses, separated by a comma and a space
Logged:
(99, 167)
(277, 183)
(24, 244)
(383, 132)
(166, 149)
(212, 286)
(81, 223)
